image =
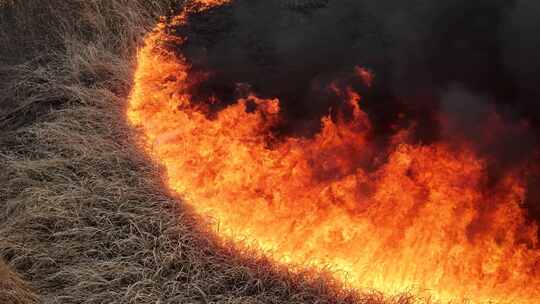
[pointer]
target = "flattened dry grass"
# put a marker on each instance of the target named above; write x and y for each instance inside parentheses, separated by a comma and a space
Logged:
(84, 217)
(13, 289)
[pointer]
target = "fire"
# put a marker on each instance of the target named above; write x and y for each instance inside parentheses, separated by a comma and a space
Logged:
(422, 221)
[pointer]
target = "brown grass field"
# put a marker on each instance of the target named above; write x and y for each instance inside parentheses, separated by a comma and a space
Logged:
(84, 216)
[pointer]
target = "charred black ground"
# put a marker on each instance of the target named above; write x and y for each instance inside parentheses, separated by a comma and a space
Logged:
(443, 68)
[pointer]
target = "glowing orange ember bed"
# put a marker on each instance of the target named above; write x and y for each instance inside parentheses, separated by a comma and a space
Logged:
(304, 201)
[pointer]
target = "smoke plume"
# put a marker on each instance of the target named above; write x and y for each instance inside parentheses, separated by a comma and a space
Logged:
(460, 71)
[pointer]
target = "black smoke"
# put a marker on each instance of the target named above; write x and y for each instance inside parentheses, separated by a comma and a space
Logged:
(444, 67)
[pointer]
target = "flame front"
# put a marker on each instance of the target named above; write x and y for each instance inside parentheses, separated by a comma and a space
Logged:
(413, 224)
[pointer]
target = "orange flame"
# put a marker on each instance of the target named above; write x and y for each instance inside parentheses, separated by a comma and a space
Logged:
(408, 226)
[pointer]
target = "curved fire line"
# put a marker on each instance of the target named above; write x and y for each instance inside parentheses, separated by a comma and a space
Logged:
(305, 201)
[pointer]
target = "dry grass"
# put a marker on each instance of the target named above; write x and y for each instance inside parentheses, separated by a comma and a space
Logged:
(12, 289)
(84, 217)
